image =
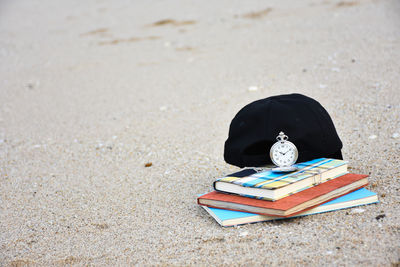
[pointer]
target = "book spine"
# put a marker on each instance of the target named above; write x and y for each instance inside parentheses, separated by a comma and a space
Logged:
(214, 183)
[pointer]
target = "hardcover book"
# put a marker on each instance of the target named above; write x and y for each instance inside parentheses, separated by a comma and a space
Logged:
(290, 205)
(230, 218)
(270, 185)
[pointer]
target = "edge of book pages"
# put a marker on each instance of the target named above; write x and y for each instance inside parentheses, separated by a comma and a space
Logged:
(356, 198)
(224, 185)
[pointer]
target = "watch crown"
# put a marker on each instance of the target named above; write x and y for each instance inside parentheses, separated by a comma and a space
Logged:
(282, 137)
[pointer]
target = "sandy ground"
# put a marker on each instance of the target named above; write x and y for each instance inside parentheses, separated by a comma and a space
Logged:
(91, 91)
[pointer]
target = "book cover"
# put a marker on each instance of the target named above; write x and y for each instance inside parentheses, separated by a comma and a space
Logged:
(275, 185)
(356, 198)
(290, 205)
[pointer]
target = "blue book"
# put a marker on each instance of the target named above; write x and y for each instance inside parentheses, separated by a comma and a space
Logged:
(230, 218)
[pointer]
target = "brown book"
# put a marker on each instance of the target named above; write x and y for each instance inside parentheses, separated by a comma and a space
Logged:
(290, 205)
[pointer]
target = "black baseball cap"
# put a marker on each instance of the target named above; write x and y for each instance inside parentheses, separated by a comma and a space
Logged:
(255, 127)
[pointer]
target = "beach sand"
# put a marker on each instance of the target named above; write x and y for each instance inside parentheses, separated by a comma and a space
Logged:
(92, 92)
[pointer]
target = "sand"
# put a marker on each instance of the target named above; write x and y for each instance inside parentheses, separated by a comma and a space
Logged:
(92, 91)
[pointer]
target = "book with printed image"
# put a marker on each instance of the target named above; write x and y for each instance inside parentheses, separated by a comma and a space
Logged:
(291, 205)
(356, 198)
(269, 185)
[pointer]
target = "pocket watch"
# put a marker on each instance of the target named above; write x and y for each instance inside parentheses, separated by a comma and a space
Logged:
(283, 154)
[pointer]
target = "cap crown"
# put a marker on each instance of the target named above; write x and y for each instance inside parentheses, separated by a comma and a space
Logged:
(308, 125)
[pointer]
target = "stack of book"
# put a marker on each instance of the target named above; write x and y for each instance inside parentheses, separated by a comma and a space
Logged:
(251, 195)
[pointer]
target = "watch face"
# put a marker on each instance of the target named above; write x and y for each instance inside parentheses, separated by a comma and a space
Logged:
(283, 153)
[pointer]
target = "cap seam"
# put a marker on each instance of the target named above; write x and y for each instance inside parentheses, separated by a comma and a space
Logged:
(324, 139)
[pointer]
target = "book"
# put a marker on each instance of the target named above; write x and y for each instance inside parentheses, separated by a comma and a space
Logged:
(290, 205)
(272, 186)
(356, 198)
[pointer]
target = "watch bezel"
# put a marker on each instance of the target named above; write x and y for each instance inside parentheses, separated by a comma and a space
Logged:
(296, 153)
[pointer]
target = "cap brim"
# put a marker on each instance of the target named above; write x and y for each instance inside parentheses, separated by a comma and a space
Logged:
(336, 155)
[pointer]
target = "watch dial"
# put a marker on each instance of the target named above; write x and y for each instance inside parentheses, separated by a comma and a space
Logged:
(283, 154)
